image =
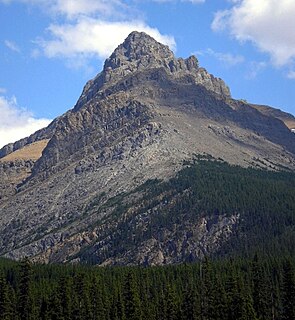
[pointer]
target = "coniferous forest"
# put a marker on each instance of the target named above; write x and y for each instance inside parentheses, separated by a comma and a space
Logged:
(252, 278)
(233, 289)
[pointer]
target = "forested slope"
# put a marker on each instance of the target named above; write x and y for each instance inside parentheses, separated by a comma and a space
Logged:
(209, 208)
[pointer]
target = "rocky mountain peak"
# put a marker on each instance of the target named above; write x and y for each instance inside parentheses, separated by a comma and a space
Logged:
(141, 50)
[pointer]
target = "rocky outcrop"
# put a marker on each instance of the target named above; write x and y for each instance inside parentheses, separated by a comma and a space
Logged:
(12, 174)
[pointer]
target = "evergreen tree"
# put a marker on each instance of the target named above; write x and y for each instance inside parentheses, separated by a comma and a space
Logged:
(189, 310)
(233, 295)
(96, 296)
(117, 307)
(248, 312)
(219, 301)
(207, 290)
(6, 312)
(44, 313)
(82, 308)
(64, 295)
(261, 290)
(171, 302)
(54, 310)
(25, 291)
(132, 303)
(288, 291)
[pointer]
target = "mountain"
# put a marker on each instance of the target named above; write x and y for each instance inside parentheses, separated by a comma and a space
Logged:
(71, 191)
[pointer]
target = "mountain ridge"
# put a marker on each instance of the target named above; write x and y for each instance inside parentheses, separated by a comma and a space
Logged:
(139, 119)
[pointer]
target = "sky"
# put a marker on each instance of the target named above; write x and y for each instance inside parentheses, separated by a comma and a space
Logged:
(50, 48)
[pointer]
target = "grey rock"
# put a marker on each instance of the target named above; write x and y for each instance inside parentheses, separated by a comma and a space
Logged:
(138, 119)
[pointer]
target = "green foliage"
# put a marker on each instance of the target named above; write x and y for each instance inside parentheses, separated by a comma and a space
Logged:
(288, 291)
(214, 290)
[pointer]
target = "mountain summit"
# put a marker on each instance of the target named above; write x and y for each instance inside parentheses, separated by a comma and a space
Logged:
(140, 52)
(138, 121)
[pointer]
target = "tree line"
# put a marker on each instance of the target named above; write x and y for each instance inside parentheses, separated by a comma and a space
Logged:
(235, 289)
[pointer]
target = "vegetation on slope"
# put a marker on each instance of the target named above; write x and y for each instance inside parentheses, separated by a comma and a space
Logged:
(263, 200)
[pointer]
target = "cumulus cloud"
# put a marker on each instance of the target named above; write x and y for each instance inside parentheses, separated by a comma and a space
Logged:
(72, 8)
(268, 24)
(84, 29)
(227, 58)
(90, 37)
(17, 123)
(75, 8)
(12, 46)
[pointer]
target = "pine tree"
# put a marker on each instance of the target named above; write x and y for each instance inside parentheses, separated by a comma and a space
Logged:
(219, 301)
(288, 291)
(171, 302)
(5, 300)
(248, 312)
(55, 308)
(44, 313)
(97, 305)
(132, 304)
(25, 291)
(207, 290)
(261, 294)
(233, 295)
(82, 308)
(189, 310)
(64, 295)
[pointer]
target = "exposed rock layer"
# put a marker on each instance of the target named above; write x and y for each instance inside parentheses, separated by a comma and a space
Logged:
(138, 119)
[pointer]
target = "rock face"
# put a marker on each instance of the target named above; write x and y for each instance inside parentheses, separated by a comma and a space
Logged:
(12, 174)
(138, 119)
(140, 52)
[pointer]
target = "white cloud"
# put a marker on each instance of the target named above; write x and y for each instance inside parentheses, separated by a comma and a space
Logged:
(2, 90)
(255, 68)
(84, 29)
(17, 123)
(75, 8)
(227, 58)
(90, 37)
(291, 74)
(12, 46)
(269, 24)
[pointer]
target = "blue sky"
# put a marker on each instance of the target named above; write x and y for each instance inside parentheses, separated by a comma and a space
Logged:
(50, 48)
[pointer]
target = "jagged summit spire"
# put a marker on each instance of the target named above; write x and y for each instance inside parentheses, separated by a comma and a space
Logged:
(140, 52)
(139, 47)
(138, 38)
